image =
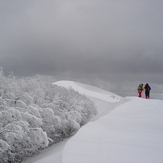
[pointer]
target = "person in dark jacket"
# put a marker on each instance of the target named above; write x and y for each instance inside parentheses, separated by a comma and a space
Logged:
(147, 90)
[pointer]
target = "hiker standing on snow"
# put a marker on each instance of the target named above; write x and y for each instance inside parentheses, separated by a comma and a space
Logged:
(147, 90)
(140, 89)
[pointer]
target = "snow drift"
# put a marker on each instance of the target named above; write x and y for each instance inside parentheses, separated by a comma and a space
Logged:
(131, 133)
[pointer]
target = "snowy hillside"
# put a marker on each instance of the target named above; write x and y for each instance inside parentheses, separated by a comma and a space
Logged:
(128, 130)
(131, 133)
(90, 91)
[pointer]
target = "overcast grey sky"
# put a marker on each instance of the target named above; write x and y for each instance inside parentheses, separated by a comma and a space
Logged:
(106, 40)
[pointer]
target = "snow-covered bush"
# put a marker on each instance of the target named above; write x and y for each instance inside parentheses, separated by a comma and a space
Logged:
(34, 114)
(51, 122)
(38, 138)
(34, 110)
(75, 115)
(9, 115)
(32, 120)
(70, 127)
(26, 98)
(5, 152)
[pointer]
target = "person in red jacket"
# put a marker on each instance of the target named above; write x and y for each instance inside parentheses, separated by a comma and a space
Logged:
(147, 90)
(140, 89)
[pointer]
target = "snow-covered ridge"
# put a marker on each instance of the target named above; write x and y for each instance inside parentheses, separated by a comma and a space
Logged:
(131, 133)
(89, 91)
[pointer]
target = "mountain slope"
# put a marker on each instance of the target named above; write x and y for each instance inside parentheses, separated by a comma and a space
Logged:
(89, 91)
(54, 153)
(126, 130)
(131, 133)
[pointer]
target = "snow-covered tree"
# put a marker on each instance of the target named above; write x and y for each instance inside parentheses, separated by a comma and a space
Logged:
(34, 114)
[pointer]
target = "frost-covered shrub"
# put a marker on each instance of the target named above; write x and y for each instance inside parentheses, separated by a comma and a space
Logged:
(33, 109)
(4, 146)
(49, 105)
(2, 102)
(6, 117)
(5, 152)
(60, 114)
(23, 124)
(49, 117)
(14, 135)
(26, 98)
(73, 126)
(34, 114)
(69, 127)
(76, 116)
(85, 108)
(16, 115)
(32, 120)
(38, 138)
(61, 105)
(22, 140)
(51, 122)
(19, 103)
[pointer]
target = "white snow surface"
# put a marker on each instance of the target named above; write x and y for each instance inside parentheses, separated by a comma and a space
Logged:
(126, 130)
(89, 91)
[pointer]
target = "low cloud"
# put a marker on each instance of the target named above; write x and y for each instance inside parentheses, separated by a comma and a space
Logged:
(115, 42)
